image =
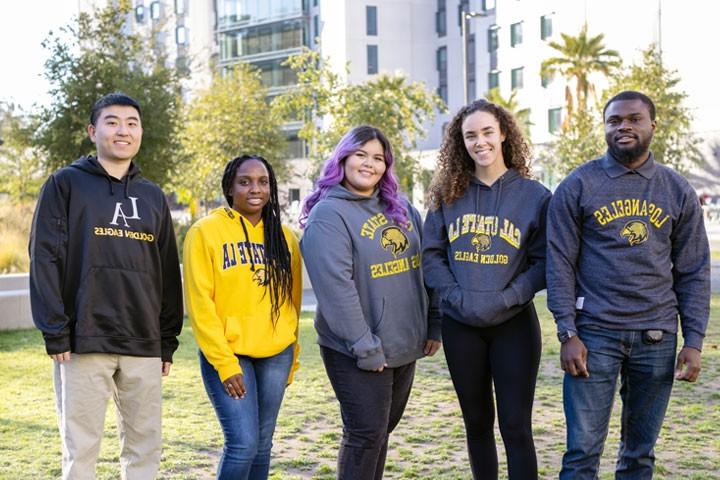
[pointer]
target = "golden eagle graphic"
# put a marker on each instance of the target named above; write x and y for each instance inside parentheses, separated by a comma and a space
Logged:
(481, 242)
(393, 239)
(260, 277)
(635, 231)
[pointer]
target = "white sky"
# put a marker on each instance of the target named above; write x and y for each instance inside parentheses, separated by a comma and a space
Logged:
(24, 24)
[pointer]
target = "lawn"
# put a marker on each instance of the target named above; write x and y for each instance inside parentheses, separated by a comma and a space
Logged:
(429, 442)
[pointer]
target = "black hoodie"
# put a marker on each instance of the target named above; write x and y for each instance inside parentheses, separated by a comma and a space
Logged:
(104, 269)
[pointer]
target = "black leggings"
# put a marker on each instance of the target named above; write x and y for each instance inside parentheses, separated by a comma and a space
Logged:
(508, 356)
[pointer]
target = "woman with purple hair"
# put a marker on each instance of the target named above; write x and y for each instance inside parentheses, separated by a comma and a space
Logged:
(362, 251)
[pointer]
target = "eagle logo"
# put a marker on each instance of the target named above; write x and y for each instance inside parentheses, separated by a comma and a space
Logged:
(635, 231)
(481, 242)
(393, 239)
(260, 277)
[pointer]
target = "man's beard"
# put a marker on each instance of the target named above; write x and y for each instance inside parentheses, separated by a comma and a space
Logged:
(627, 155)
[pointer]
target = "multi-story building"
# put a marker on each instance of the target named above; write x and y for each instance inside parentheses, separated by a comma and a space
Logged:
(507, 40)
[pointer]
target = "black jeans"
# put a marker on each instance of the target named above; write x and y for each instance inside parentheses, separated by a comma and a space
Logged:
(508, 356)
(371, 405)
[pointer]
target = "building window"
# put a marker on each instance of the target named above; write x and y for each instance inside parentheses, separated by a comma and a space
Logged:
(140, 13)
(488, 5)
(463, 6)
(441, 18)
(372, 59)
(545, 27)
(294, 195)
(316, 25)
(371, 20)
(554, 119)
(471, 84)
(516, 78)
(515, 34)
(155, 10)
(179, 7)
(546, 80)
(315, 3)
(181, 36)
(493, 38)
(441, 65)
(493, 79)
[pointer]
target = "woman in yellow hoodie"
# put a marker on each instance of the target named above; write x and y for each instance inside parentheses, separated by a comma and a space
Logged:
(243, 286)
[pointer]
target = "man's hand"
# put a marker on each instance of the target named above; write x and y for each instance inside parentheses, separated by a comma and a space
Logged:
(690, 359)
(431, 346)
(61, 357)
(573, 357)
(235, 387)
(166, 368)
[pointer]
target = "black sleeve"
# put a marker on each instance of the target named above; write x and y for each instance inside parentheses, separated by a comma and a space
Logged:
(48, 253)
(171, 312)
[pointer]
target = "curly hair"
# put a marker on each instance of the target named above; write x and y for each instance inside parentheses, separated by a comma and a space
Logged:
(333, 173)
(455, 167)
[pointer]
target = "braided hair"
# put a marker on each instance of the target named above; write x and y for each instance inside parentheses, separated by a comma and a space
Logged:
(277, 254)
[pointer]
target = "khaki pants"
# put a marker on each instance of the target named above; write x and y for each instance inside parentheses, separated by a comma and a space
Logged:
(83, 386)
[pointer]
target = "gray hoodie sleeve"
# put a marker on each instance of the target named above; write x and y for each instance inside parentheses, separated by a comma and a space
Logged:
(328, 254)
(523, 287)
(691, 271)
(434, 314)
(436, 267)
(563, 246)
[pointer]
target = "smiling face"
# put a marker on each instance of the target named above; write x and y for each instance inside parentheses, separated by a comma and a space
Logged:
(250, 189)
(483, 142)
(628, 131)
(117, 133)
(364, 168)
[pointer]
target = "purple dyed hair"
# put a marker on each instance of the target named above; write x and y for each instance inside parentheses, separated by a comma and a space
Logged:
(333, 173)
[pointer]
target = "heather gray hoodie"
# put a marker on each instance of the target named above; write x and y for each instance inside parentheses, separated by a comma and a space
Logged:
(484, 254)
(365, 271)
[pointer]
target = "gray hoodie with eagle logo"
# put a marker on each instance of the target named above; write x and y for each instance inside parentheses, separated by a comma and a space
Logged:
(365, 271)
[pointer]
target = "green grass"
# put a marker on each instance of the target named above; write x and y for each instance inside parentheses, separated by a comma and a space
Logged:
(428, 443)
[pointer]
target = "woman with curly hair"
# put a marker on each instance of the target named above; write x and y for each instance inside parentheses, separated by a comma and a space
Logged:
(362, 251)
(484, 256)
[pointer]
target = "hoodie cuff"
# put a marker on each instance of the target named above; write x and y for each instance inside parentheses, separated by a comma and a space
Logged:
(693, 340)
(372, 361)
(510, 296)
(55, 344)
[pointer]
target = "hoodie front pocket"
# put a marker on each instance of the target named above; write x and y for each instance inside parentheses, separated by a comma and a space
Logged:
(118, 302)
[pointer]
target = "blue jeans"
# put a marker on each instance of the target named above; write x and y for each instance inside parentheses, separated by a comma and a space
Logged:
(248, 423)
(646, 378)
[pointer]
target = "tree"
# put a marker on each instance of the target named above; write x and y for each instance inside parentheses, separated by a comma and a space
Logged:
(579, 58)
(93, 56)
(522, 115)
(228, 119)
(581, 139)
(674, 143)
(20, 175)
(329, 108)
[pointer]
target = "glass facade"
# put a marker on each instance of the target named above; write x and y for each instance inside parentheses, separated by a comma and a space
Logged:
(275, 37)
(231, 12)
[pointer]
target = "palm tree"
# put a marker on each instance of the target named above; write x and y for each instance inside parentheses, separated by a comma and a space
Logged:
(522, 115)
(579, 58)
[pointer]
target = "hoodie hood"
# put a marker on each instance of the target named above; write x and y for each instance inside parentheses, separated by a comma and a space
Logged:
(484, 194)
(90, 164)
(339, 191)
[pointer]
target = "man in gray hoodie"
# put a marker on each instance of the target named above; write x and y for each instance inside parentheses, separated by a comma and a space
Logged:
(627, 253)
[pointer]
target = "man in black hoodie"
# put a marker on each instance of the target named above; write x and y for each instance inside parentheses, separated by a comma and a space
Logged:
(105, 291)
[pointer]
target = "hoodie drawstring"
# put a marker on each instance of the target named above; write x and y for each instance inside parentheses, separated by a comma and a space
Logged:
(247, 244)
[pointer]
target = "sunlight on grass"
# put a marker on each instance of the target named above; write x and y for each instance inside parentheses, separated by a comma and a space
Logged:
(428, 443)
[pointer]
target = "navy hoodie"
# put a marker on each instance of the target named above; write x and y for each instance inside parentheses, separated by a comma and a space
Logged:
(366, 273)
(484, 254)
(104, 269)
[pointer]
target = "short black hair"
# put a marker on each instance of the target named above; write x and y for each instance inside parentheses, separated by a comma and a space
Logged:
(632, 95)
(115, 98)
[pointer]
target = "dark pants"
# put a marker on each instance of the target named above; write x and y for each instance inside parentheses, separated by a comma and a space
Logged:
(508, 356)
(371, 405)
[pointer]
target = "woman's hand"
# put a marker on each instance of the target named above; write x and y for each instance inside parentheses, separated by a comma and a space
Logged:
(235, 387)
(431, 346)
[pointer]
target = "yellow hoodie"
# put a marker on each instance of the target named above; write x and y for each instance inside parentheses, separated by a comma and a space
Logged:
(227, 301)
